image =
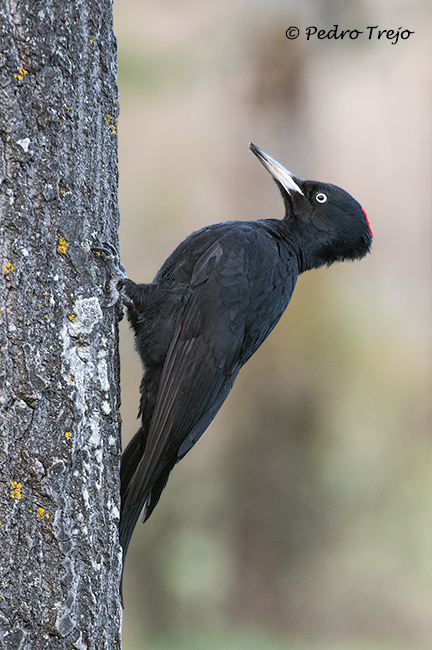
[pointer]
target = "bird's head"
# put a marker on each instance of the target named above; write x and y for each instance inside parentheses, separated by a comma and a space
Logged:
(328, 224)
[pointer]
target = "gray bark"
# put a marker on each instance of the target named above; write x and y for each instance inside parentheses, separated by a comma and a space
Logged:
(59, 370)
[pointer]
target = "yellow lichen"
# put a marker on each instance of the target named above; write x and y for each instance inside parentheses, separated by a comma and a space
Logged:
(41, 514)
(16, 490)
(72, 318)
(9, 268)
(62, 245)
(111, 122)
(20, 74)
(67, 434)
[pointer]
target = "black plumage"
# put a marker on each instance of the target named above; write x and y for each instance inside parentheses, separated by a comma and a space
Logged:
(209, 308)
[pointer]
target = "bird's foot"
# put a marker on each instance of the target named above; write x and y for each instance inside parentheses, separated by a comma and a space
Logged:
(118, 271)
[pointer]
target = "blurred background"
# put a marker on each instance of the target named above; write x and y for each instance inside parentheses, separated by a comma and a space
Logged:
(303, 518)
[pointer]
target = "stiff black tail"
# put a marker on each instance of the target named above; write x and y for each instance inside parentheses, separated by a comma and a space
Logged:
(128, 517)
(129, 514)
(128, 521)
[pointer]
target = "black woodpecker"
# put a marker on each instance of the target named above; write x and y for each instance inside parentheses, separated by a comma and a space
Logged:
(209, 308)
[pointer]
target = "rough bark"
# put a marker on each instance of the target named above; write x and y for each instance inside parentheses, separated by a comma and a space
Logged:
(59, 399)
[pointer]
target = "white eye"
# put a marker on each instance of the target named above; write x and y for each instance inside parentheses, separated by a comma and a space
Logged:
(321, 197)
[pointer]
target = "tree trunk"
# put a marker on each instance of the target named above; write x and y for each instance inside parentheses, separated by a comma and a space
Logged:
(59, 370)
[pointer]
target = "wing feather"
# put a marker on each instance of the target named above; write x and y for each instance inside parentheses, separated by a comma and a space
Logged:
(192, 387)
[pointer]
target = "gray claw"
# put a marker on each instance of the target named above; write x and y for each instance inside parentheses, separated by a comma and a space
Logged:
(118, 271)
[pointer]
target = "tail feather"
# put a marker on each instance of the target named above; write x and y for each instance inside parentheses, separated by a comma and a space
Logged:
(153, 496)
(129, 514)
(128, 518)
(130, 459)
(128, 521)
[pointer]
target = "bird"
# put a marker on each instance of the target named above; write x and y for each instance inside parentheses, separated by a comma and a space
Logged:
(209, 308)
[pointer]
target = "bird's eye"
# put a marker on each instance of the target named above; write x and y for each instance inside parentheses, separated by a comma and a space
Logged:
(321, 197)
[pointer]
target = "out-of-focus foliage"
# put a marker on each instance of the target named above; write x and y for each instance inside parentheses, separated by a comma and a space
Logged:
(303, 518)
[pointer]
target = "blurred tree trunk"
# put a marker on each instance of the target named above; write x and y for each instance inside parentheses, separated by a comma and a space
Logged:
(276, 517)
(59, 397)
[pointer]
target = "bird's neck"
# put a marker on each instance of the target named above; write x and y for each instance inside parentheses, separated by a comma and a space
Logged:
(296, 243)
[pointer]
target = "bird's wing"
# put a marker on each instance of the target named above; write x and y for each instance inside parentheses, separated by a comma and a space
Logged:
(201, 364)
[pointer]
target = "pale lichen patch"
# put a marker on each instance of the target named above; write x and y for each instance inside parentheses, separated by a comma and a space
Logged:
(86, 497)
(106, 407)
(87, 312)
(24, 143)
(103, 372)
